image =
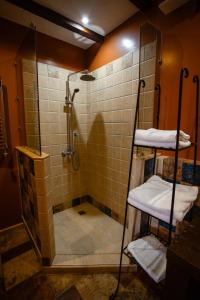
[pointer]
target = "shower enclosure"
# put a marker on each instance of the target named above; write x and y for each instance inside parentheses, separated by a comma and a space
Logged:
(85, 124)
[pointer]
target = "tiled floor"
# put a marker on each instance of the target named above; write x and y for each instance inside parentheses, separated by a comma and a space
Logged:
(90, 238)
(19, 268)
(25, 279)
(89, 286)
(13, 237)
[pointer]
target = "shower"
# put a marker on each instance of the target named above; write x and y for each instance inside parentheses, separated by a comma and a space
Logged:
(71, 150)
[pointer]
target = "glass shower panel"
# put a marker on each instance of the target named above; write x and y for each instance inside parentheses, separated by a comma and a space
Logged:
(28, 95)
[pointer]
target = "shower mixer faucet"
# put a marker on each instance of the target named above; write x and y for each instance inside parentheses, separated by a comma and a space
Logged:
(67, 152)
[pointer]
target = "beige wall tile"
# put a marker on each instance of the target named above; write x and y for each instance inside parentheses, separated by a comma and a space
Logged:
(42, 81)
(42, 69)
(29, 78)
(43, 93)
(52, 71)
(29, 66)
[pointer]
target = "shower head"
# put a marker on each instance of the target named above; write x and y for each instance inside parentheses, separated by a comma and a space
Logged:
(86, 76)
(75, 91)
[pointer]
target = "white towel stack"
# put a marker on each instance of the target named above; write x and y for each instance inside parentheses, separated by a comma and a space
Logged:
(151, 255)
(155, 196)
(161, 138)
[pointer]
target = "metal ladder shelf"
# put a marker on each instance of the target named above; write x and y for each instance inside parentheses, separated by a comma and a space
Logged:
(183, 74)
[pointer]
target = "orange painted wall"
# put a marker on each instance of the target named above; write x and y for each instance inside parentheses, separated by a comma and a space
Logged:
(61, 54)
(9, 196)
(112, 47)
(181, 48)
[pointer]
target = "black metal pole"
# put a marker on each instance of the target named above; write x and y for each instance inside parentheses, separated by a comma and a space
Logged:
(183, 74)
(157, 88)
(141, 84)
(196, 81)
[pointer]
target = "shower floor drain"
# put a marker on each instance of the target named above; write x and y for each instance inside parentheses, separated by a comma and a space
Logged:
(81, 212)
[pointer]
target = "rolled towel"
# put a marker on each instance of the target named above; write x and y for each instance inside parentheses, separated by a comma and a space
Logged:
(161, 136)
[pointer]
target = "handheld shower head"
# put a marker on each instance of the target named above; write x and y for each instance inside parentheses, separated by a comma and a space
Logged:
(75, 91)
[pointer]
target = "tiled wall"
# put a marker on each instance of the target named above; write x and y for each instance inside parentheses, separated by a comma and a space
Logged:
(112, 105)
(111, 116)
(67, 184)
(35, 189)
(104, 116)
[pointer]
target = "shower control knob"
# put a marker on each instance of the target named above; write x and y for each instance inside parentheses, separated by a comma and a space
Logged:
(64, 153)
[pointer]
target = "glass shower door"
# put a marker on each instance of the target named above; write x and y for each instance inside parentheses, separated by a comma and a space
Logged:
(28, 95)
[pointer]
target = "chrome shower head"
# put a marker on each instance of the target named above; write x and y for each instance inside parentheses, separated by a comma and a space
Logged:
(86, 76)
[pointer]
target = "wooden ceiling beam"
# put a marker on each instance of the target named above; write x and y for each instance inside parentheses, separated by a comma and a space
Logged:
(143, 5)
(56, 18)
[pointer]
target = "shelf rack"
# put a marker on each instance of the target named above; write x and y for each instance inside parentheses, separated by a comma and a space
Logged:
(184, 73)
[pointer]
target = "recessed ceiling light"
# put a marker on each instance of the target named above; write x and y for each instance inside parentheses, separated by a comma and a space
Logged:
(128, 43)
(85, 20)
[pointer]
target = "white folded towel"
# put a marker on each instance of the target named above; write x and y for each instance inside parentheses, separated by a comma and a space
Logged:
(167, 145)
(151, 255)
(161, 138)
(155, 195)
(164, 217)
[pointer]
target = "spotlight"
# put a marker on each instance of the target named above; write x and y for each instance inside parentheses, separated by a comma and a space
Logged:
(85, 20)
(128, 43)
